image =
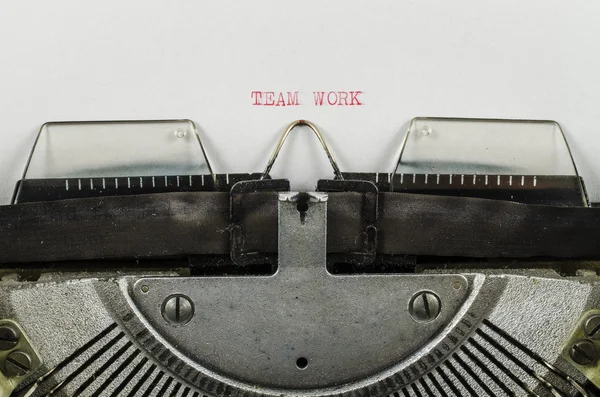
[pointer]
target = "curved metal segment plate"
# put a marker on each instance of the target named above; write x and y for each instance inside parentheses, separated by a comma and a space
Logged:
(259, 329)
(303, 327)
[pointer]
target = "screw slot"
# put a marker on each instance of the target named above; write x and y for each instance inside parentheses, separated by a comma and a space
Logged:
(584, 352)
(592, 327)
(17, 364)
(9, 338)
(302, 363)
(425, 306)
(178, 309)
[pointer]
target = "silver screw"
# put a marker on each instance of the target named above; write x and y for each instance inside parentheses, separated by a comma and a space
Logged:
(592, 327)
(17, 364)
(9, 338)
(178, 309)
(584, 352)
(425, 306)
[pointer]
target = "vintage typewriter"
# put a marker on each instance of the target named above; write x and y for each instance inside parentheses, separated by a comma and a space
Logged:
(129, 268)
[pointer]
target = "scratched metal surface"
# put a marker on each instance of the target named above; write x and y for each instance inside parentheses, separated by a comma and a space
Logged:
(68, 60)
(483, 347)
(494, 332)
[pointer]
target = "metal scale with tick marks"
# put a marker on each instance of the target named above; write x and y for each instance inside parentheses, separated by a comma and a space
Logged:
(132, 269)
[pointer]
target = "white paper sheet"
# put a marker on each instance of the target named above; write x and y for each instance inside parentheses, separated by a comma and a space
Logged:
(150, 59)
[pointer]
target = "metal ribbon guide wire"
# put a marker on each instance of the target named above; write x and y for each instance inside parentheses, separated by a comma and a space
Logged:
(336, 169)
(470, 269)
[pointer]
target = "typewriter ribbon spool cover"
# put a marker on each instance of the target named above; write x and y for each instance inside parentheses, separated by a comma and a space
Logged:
(128, 267)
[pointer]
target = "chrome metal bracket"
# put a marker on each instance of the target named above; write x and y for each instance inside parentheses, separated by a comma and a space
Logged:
(18, 358)
(369, 213)
(237, 238)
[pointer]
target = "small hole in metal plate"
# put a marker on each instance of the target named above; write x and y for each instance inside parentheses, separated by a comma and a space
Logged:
(302, 363)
